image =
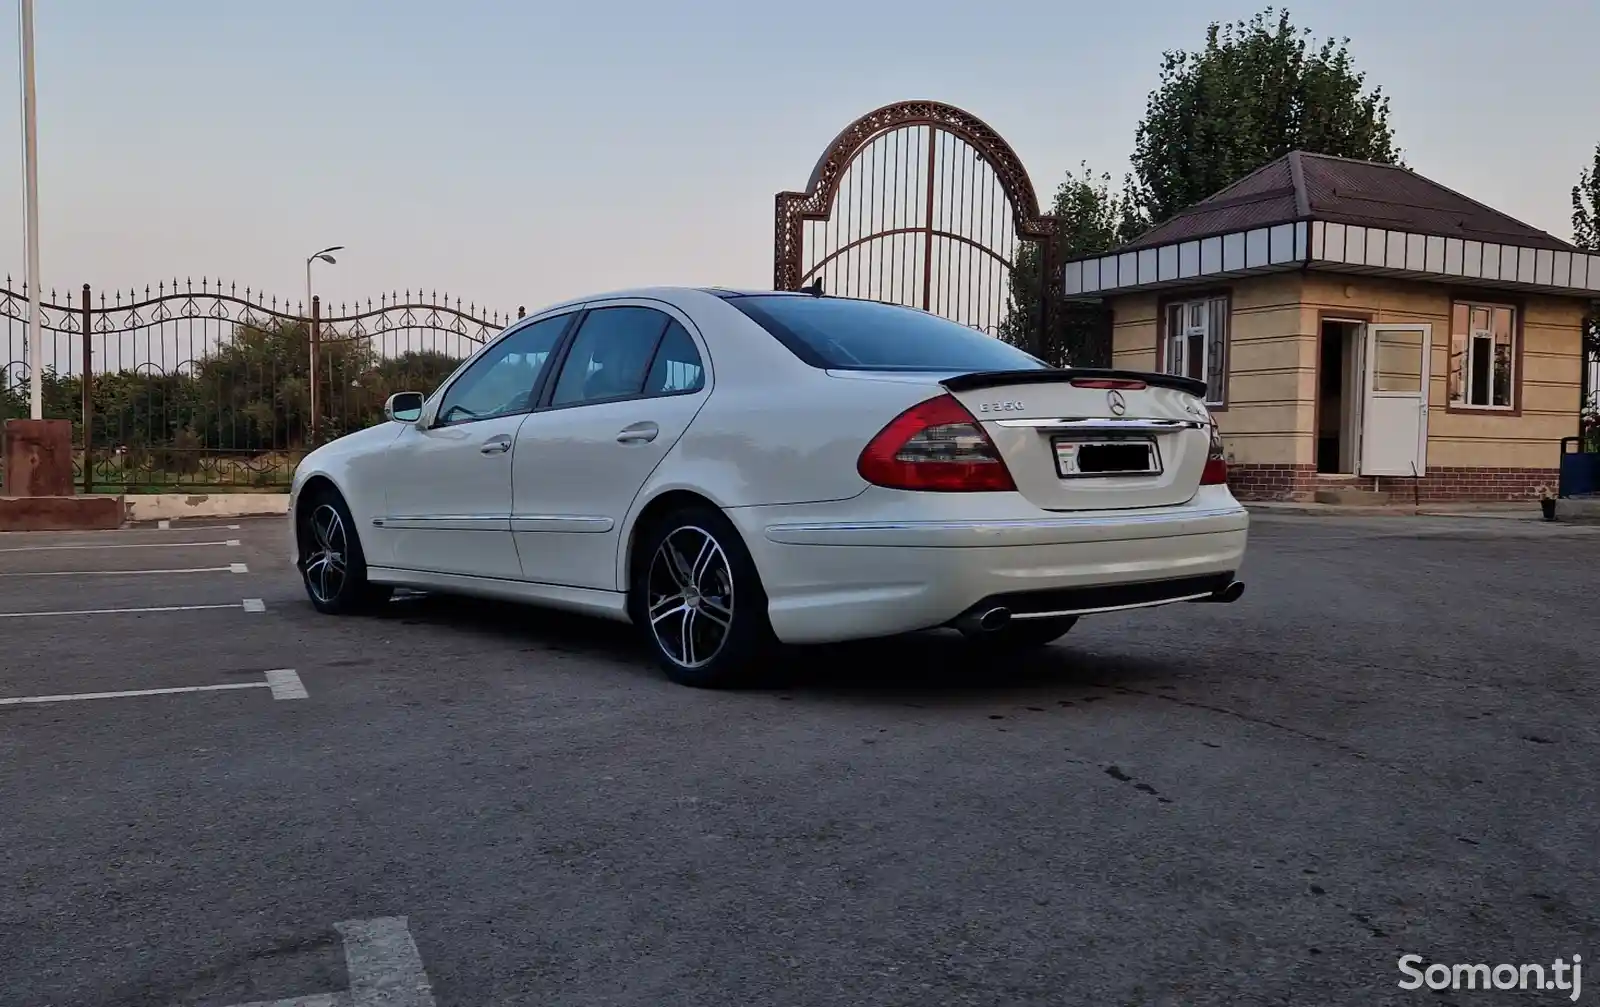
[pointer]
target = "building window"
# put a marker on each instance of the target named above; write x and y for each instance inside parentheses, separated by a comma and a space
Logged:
(1197, 344)
(1483, 355)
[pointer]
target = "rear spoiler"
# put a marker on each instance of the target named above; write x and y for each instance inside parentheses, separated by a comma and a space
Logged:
(1055, 375)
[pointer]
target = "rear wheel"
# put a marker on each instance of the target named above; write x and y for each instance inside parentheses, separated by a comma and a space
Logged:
(331, 562)
(699, 600)
(1023, 634)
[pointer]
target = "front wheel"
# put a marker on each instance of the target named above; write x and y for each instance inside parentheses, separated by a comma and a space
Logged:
(1024, 634)
(699, 600)
(332, 564)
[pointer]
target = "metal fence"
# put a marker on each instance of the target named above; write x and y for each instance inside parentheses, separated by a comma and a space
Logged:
(203, 385)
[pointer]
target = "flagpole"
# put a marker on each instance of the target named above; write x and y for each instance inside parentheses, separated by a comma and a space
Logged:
(30, 156)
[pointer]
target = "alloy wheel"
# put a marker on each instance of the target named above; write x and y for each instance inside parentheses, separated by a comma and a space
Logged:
(689, 591)
(327, 566)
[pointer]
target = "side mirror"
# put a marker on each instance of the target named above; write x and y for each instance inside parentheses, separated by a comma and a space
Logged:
(404, 407)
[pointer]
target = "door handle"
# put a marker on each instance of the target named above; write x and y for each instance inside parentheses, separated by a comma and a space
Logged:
(498, 446)
(638, 433)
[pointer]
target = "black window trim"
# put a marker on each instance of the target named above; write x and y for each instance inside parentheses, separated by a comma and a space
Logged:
(563, 350)
(537, 392)
(800, 348)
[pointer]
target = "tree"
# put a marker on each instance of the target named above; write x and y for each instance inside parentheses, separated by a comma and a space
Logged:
(1092, 219)
(1586, 235)
(1258, 90)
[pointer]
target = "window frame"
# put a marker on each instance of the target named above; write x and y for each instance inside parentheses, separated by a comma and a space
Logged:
(536, 393)
(1470, 300)
(545, 399)
(1177, 305)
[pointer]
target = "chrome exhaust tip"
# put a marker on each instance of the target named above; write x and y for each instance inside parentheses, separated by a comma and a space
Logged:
(987, 621)
(994, 619)
(1226, 596)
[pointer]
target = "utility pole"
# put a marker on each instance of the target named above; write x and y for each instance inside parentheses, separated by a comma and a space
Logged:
(30, 173)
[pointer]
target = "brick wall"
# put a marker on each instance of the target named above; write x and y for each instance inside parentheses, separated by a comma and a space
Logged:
(1272, 482)
(1440, 485)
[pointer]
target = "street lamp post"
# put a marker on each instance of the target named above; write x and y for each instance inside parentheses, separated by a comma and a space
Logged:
(30, 172)
(325, 256)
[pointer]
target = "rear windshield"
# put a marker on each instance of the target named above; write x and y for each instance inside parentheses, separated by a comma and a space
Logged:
(845, 334)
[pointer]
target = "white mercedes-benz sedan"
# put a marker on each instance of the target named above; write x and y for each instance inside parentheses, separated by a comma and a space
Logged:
(729, 470)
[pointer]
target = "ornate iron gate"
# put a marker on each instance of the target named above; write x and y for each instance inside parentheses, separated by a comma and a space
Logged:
(923, 204)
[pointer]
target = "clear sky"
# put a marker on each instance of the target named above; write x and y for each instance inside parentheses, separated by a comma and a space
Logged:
(519, 152)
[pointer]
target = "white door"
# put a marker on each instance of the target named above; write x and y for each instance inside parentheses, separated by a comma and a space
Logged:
(629, 385)
(1394, 422)
(448, 477)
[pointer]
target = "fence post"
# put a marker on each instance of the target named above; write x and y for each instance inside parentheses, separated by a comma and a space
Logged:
(316, 341)
(88, 399)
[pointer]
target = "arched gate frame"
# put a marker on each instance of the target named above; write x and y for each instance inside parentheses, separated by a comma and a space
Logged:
(923, 204)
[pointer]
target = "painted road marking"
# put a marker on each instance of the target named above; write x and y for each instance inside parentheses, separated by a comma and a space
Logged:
(384, 965)
(249, 605)
(230, 568)
(284, 682)
(165, 524)
(231, 543)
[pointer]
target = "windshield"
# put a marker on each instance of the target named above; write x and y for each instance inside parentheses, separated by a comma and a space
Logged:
(846, 334)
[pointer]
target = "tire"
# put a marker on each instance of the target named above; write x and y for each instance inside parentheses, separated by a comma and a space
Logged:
(712, 593)
(332, 565)
(1023, 634)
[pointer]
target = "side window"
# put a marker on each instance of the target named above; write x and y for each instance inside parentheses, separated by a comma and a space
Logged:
(503, 380)
(610, 355)
(677, 367)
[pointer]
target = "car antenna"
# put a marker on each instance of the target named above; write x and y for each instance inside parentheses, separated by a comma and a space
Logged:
(815, 290)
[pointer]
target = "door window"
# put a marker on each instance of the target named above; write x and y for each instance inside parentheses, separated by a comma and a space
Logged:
(505, 380)
(1397, 360)
(610, 356)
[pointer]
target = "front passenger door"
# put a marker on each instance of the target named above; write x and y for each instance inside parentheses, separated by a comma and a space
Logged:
(449, 477)
(632, 380)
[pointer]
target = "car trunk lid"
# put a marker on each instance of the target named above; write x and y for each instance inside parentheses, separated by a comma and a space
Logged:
(1081, 439)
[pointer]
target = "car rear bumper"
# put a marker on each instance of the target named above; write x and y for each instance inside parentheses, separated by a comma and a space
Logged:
(830, 578)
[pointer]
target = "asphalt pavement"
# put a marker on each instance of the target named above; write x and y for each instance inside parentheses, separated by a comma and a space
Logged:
(1387, 747)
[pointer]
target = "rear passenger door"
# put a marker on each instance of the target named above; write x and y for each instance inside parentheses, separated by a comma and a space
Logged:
(630, 381)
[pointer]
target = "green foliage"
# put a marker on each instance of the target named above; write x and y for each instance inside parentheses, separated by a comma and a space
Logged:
(1586, 229)
(1258, 90)
(249, 399)
(1093, 219)
(1586, 235)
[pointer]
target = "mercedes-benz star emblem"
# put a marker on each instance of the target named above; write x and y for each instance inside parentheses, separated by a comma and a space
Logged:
(1118, 404)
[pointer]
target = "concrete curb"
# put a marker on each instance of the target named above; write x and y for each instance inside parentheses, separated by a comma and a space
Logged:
(180, 506)
(1578, 510)
(1498, 512)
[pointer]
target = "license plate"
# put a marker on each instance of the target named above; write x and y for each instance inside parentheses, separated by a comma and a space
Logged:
(1129, 457)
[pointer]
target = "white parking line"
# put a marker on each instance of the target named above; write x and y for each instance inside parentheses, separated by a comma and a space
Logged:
(230, 568)
(284, 682)
(231, 543)
(248, 605)
(166, 525)
(384, 967)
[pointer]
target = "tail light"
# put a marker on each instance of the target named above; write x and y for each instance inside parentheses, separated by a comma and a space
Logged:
(1216, 473)
(935, 445)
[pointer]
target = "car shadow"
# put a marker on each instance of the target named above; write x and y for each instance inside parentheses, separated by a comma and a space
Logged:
(936, 666)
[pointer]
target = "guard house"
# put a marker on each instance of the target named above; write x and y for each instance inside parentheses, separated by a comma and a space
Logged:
(1364, 333)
